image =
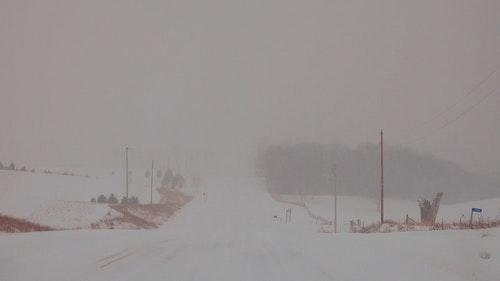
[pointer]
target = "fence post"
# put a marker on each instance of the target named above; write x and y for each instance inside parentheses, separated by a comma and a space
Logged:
(406, 222)
(470, 223)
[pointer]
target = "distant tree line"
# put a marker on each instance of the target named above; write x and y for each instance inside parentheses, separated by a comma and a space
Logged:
(307, 169)
(12, 167)
(111, 199)
(168, 179)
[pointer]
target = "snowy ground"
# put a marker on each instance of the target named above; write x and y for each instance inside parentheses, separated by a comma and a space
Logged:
(62, 201)
(234, 236)
(367, 212)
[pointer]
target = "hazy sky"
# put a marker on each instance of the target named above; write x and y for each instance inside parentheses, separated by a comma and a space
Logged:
(81, 80)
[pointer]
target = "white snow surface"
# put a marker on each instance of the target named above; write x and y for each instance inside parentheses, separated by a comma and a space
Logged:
(234, 236)
(63, 201)
(351, 208)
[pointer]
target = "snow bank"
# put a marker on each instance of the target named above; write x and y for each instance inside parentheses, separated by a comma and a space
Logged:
(60, 200)
(365, 212)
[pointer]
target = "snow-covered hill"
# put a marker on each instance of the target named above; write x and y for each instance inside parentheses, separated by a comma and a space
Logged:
(352, 208)
(232, 234)
(63, 201)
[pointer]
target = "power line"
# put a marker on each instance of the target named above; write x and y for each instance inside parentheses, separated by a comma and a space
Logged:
(453, 105)
(467, 110)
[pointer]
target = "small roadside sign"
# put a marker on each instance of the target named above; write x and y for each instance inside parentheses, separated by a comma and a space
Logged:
(477, 210)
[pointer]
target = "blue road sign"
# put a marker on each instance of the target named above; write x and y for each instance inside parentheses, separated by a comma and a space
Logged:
(477, 210)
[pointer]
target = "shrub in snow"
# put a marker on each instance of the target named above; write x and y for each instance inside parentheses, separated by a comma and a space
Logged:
(130, 200)
(486, 234)
(93, 200)
(177, 180)
(112, 199)
(12, 166)
(167, 177)
(102, 199)
(485, 255)
(133, 200)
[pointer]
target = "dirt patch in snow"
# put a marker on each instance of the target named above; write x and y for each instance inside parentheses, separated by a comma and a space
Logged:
(62, 214)
(146, 216)
(14, 225)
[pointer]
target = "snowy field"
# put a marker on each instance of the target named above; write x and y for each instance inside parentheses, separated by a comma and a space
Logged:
(233, 235)
(63, 201)
(350, 208)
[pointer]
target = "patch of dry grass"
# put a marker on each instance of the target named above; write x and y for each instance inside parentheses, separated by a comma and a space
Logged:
(12, 225)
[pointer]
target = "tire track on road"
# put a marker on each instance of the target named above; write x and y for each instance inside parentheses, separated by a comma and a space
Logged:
(118, 257)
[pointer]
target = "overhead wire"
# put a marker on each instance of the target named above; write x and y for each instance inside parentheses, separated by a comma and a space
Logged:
(448, 109)
(460, 115)
(453, 105)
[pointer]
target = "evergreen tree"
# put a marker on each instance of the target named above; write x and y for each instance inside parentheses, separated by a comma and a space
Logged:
(112, 199)
(133, 200)
(176, 180)
(167, 178)
(101, 199)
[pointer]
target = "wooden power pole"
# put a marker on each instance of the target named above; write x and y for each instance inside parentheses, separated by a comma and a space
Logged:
(381, 177)
(334, 170)
(152, 169)
(126, 173)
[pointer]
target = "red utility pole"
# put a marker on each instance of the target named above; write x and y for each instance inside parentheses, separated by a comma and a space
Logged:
(381, 177)
(335, 197)
(152, 169)
(126, 172)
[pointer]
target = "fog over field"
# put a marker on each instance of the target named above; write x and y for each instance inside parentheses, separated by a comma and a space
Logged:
(253, 112)
(212, 82)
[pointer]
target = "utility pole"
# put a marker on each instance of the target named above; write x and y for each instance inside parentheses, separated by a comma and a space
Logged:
(381, 177)
(334, 170)
(126, 172)
(152, 169)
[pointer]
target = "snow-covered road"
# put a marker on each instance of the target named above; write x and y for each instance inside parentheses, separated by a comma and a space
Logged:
(234, 236)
